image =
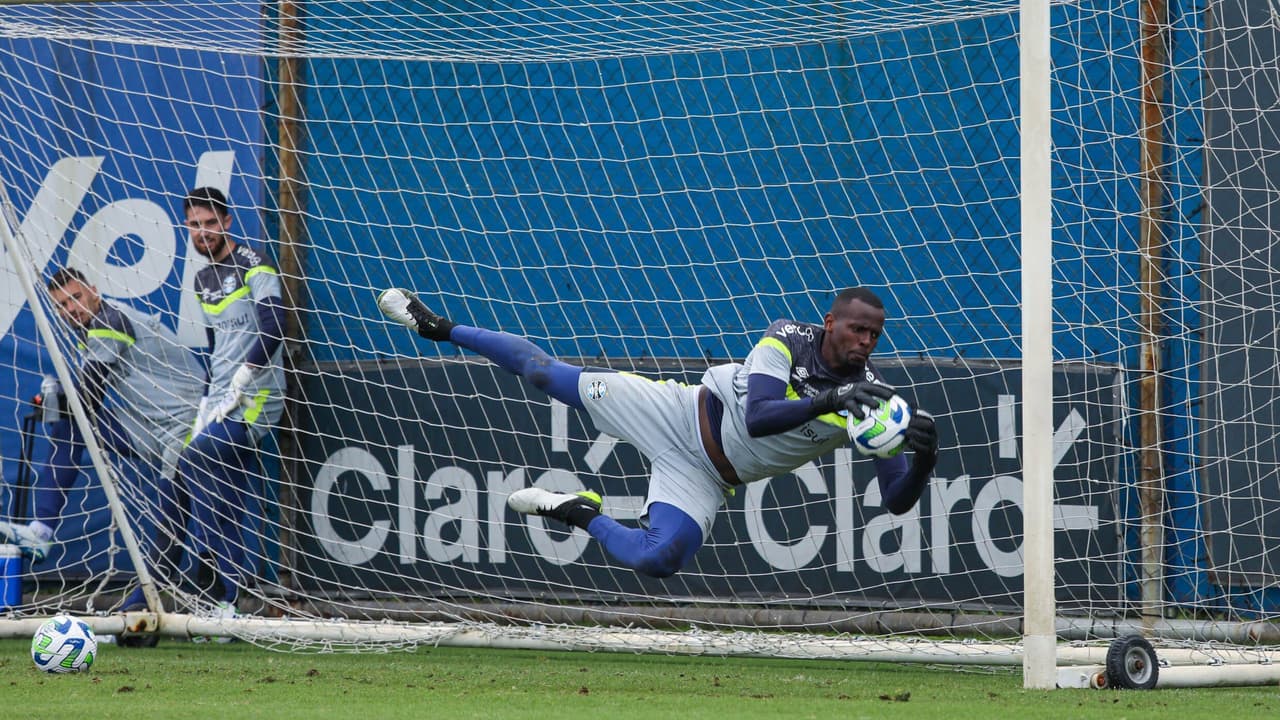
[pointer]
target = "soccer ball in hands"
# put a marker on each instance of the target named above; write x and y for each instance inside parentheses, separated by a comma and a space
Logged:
(882, 431)
(64, 645)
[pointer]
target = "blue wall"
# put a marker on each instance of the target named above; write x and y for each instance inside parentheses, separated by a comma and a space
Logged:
(673, 206)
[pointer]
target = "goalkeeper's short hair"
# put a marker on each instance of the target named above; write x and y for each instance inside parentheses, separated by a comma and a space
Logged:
(207, 197)
(64, 276)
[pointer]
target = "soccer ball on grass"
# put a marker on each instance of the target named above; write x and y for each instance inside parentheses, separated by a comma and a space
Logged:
(64, 645)
(882, 431)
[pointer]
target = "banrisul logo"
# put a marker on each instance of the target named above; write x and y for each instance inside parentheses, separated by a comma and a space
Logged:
(60, 201)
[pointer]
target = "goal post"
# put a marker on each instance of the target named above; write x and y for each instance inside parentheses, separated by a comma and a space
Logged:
(1064, 225)
(1039, 634)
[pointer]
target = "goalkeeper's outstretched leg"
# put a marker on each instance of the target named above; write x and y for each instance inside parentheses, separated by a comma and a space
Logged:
(672, 536)
(659, 550)
(405, 308)
(510, 352)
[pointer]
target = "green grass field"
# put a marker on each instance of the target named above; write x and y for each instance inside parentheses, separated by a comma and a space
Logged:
(184, 680)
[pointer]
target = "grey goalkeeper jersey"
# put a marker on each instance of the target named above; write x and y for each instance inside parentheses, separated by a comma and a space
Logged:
(228, 292)
(155, 382)
(791, 352)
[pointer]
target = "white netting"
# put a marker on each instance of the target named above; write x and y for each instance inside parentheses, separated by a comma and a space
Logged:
(646, 186)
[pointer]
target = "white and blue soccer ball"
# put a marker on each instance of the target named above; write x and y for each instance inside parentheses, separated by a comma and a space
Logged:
(882, 432)
(64, 645)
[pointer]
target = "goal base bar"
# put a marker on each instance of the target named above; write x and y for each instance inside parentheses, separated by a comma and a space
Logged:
(1177, 676)
(270, 631)
(1185, 666)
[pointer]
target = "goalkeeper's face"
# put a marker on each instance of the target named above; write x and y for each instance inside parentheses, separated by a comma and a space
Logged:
(853, 329)
(77, 302)
(208, 230)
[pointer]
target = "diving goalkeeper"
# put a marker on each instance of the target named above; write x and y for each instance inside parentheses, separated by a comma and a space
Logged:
(786, 404)
(140, 386)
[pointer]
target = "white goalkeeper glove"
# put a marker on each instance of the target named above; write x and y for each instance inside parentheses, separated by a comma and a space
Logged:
(242, 378)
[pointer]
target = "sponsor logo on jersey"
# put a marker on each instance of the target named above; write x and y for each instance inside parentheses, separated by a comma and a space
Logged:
(804, 331)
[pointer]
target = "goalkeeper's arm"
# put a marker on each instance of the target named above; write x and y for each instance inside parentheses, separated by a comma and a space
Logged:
(769, 411)
(901, 485)
(270, 310)
(271, 314)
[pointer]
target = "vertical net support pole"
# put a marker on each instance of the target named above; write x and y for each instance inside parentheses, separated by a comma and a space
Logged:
(290, 66)
(1155, 59)
(1039, 662)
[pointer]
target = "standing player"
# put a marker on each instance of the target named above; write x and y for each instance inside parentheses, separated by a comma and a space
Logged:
(787, 404)
(240, 294)
(139, 386)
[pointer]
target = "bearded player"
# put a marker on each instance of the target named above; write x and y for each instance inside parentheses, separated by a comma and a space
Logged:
(240, 294)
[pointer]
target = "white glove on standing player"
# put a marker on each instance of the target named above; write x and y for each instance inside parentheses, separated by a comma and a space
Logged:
(242, 378)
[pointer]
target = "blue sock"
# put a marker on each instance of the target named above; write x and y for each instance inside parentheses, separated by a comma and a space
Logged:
(667, 545)
(230, 588)
(59, 473)
(135, 600)
(521, 357)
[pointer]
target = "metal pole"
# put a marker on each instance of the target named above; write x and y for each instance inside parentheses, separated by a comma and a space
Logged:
(1151, 282)
(292, 239)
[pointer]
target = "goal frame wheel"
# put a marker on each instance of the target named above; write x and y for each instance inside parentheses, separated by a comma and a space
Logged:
(138, 640)
(1132, 664)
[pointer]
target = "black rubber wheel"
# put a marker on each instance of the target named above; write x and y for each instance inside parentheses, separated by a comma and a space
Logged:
(142, 640)
(1132, 664)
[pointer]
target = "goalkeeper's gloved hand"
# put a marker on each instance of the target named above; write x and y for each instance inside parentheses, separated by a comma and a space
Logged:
(242, 378)
(852, 397)
(34, 540)
(922, 433)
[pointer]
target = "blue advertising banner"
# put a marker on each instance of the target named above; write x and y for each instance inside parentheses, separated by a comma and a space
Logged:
(405, 491)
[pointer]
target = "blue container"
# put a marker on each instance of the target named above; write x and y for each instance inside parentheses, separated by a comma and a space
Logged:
(10, 577)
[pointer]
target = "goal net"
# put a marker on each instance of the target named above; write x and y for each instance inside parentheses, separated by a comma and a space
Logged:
(646, 186)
